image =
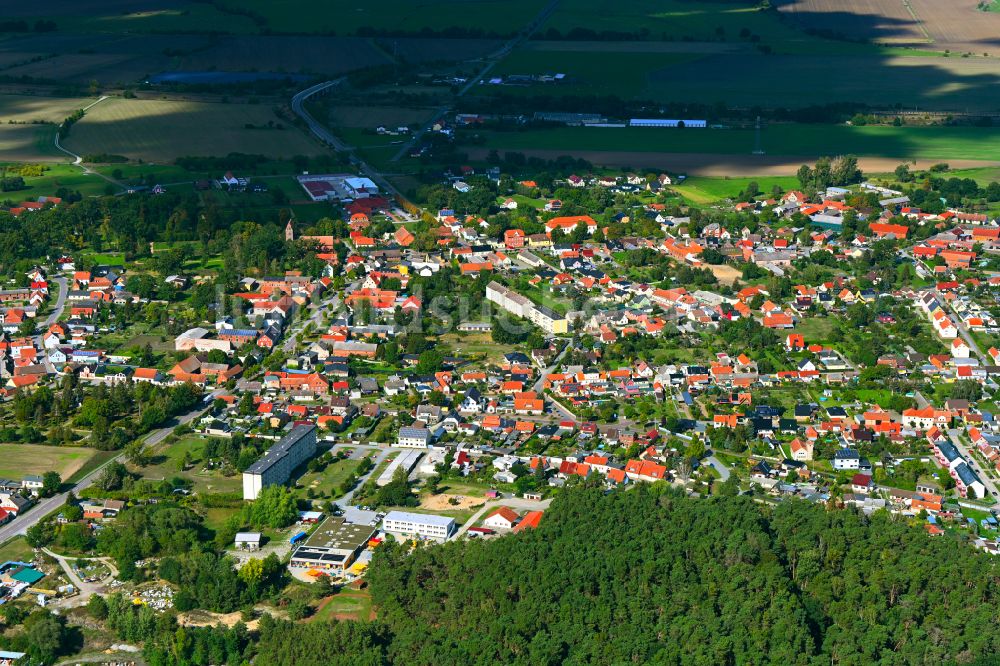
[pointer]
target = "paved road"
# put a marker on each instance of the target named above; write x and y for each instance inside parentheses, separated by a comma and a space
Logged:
(346, 499)
(77, 160)
(513, 502)
(720, 468)
(289, 345)
(51, 319)
(991, 486)
(21, 524)
(963, 332)
(327, 137)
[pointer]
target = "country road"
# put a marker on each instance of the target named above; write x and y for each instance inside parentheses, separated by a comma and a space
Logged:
(491, 61)
(328, 138)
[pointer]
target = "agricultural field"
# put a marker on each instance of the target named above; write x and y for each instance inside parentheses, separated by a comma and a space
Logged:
(113, 59)
(17, 460)
(500, 17)
(705, 190)
(671, 20)
(121, 17)
(161, 131)
(959, 25)
(677, 71)
(626, 74)
(721, 152)
(25, 141)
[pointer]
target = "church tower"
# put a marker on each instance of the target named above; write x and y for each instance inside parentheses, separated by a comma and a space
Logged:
(289, 231)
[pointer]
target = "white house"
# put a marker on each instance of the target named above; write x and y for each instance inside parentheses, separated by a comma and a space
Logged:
(503, 518)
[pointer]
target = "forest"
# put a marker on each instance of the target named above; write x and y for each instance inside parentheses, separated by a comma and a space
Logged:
(650, 576)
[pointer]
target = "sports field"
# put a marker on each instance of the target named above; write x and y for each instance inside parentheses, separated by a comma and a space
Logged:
(902, 143)
(17, 460)
(161, 131)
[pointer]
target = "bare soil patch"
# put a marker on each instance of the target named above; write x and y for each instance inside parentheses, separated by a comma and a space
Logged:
(441, 502)
(725, 274)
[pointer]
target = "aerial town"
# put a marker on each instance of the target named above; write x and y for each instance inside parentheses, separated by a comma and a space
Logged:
(497, 336)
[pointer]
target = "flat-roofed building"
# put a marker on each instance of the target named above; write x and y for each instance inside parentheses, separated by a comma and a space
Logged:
(406, 461)
(279, 461)
(419, 524)
(333, 547)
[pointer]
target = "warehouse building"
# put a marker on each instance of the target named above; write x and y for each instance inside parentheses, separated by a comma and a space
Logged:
(419, 524)
(406, 461)
(333, 547)
(279, 461)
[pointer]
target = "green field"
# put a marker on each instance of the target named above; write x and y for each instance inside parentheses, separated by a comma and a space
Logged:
(161, 131)
(588, 72)
(327, 483)
(670, 20)
(17, 460)
(346, 604)
(705, 189)
(16, 550)
(347, 16)
(166, 460)
(180, 17)
(929, 143)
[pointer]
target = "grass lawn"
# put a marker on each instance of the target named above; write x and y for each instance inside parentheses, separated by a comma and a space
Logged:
(166, 465)
(16, 550)
(472, 344)
(108, 258)
(95, 461)
(21, 459)
(816, 329)
(347, 604)
(327, 483)
(930, 143)
(59, 175)
(706, 189)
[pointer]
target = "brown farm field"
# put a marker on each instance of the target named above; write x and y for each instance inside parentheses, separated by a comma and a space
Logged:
(27, 142)
(161, 131)
(956, 25)
(29, 108)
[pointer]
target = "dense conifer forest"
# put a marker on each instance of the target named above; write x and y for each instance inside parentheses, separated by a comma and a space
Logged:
(649, 576)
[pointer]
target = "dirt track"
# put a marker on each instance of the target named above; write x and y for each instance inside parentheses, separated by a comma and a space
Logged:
(707, 164)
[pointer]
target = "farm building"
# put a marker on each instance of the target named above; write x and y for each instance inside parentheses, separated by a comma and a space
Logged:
(666, 122)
